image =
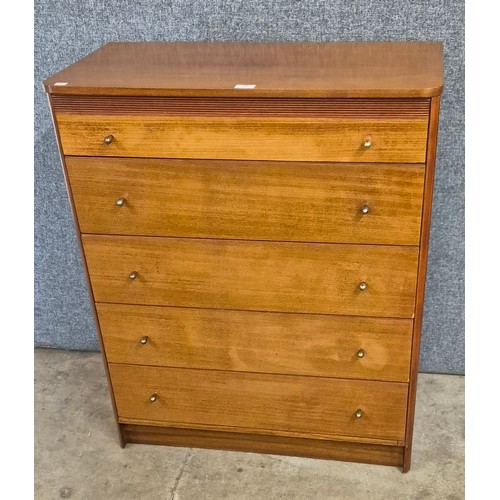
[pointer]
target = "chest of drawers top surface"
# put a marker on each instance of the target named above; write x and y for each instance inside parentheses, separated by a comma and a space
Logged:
(254, 223)
(349, 69)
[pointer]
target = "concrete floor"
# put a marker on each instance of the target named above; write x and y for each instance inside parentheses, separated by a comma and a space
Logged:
(77, 454)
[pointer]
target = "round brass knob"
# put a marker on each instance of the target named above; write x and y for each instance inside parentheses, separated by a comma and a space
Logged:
(362, 286)
(153, 397)
(365, 209)
(120, 202)
(361, 353)
(367, 143)
(108, 139)
(359, 413)
(144, 340)
(132, 275)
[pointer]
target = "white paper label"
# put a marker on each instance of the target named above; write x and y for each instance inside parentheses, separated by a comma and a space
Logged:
(60, 84)
(244, 86)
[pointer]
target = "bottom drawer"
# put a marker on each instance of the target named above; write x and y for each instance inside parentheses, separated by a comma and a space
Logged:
(278, 404)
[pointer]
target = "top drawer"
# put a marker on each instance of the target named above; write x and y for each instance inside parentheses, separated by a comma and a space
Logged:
(343, 130)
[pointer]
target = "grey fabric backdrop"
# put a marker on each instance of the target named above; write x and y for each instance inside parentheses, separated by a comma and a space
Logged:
(66, 31)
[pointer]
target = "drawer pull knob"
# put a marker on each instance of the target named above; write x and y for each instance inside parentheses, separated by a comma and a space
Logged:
(361, 353)
(153, 397)
(108, 139)
(367, 143)
(365, 209)
(359, 413)
(144, 340)
(132, 275)
(362, 286)
(120, 202)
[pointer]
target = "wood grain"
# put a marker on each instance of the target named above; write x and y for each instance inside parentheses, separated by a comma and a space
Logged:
(277, 445)
(422, 271)
(245, 138)
(229, 274)
(318, 202)
(352, 69)
(298, 344)
(306, 406)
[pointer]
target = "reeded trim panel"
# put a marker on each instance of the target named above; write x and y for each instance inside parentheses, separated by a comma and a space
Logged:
(383, 109)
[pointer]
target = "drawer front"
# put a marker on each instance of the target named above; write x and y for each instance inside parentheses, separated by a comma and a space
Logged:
(303, 405)
(301, 344)
(245, 138)
(249, 200)
(253, 275)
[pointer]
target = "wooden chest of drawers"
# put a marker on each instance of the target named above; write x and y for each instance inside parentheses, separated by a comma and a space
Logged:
(254, 221)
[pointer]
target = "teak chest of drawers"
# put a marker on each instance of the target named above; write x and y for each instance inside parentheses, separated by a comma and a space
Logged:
(254, 221)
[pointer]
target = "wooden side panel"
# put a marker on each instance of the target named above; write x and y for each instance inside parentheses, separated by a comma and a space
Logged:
(237, 138)
(121, 436)
(253, 275)
(249, 200)
(299, 344)
(306, 406)
(422, 270)
(277, 445)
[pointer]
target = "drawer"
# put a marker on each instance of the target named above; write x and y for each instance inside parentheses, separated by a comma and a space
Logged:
(284, 139)
(342, 130)
(301, 344)
(253, 275)
(249, 200)
(306, 406)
